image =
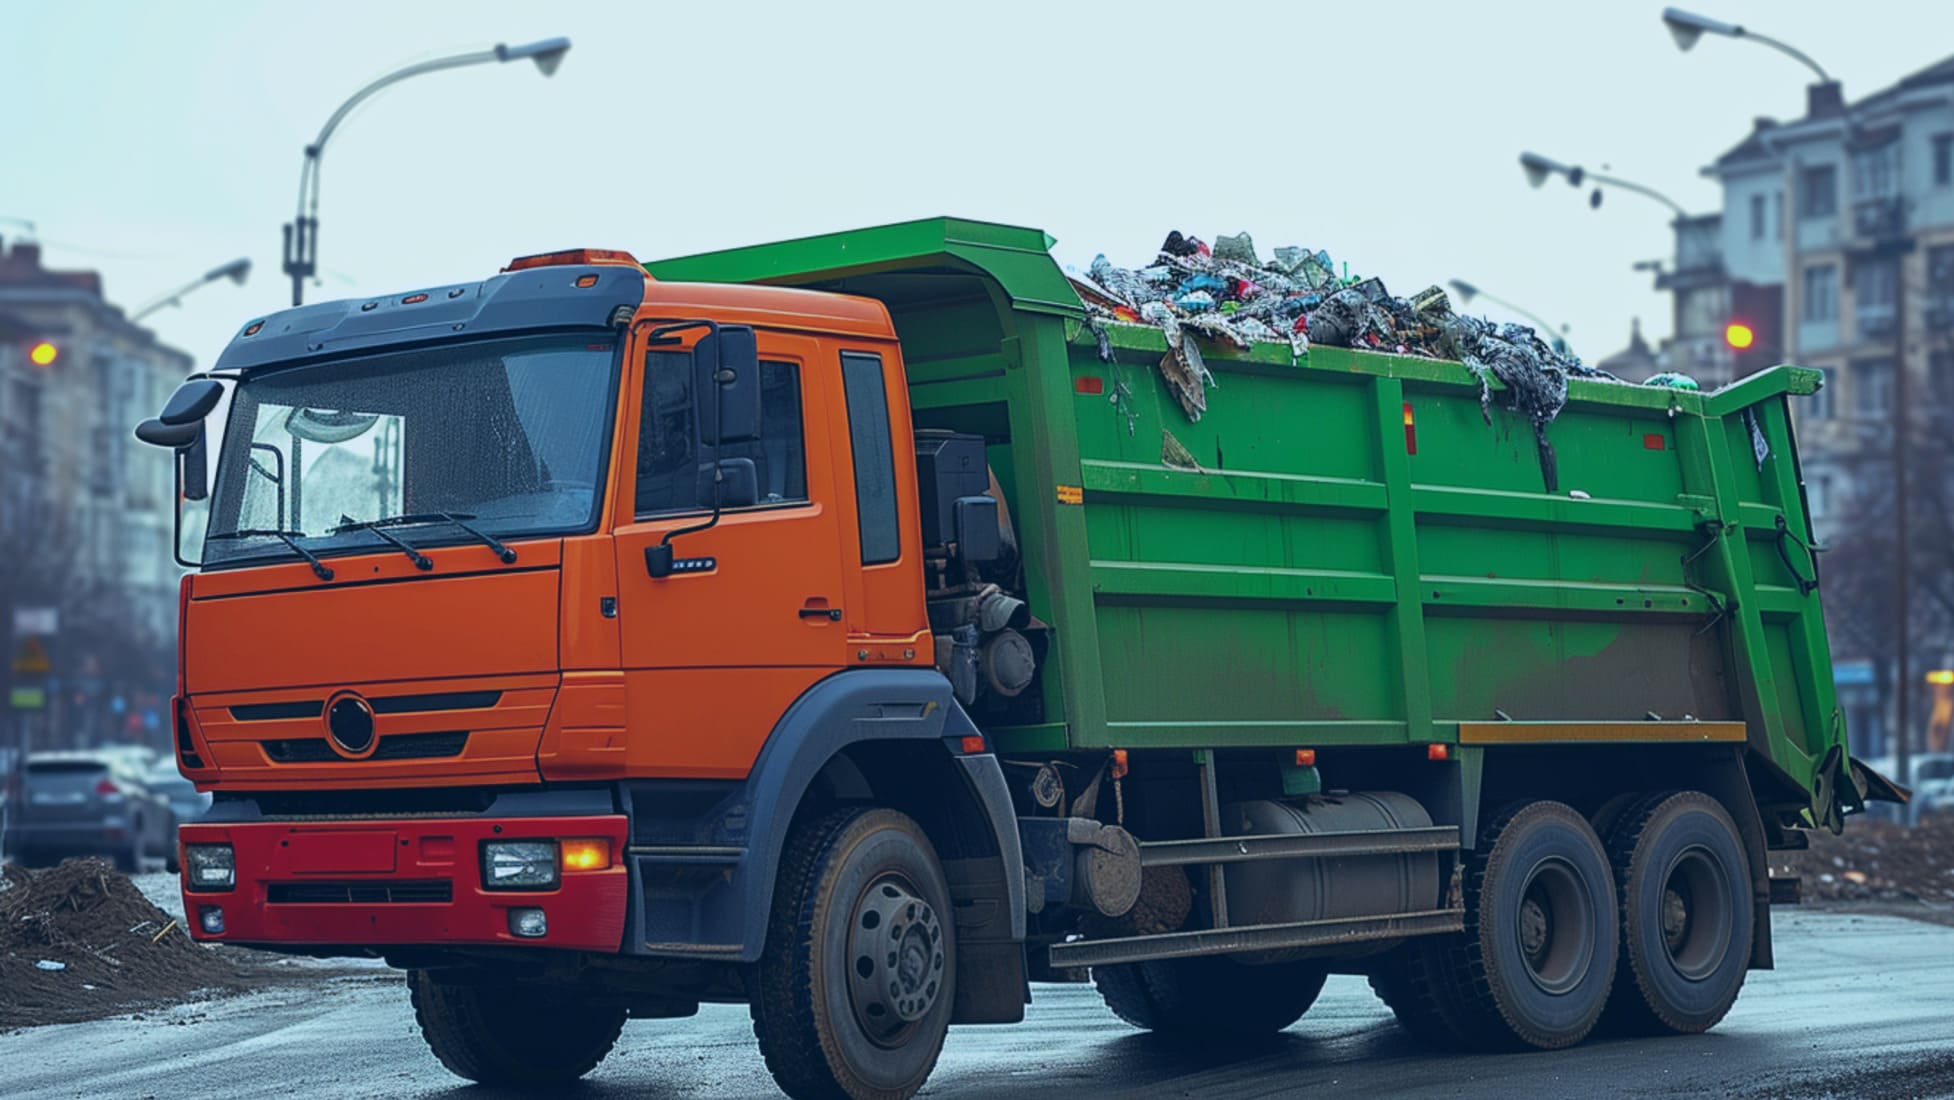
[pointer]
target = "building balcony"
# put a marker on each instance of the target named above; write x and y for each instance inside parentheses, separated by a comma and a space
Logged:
(1879, 225)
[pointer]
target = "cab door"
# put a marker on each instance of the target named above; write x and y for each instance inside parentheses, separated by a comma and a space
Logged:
(713, 655)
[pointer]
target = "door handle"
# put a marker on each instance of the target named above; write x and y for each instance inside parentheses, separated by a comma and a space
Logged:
(817, 607)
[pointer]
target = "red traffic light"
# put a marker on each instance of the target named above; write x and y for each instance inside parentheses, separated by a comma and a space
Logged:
(43, 354)
(1739, 335)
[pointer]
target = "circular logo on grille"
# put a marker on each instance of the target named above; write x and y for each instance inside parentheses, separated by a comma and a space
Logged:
(350, 721)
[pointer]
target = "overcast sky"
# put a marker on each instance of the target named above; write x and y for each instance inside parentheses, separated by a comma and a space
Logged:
(155, 141)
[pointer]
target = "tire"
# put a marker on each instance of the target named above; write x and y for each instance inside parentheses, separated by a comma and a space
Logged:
(1686, 914)
(1535, 963)
(1210, 998)
(1408, 981)
(853, 992)
(513, 1035)
(130, 861)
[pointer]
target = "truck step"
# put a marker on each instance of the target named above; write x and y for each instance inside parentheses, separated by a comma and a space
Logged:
(1255, 937)
(1244, 849)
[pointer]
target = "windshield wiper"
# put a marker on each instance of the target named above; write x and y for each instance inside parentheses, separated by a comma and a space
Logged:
(289, 538)
(348, 523)
(452, 519)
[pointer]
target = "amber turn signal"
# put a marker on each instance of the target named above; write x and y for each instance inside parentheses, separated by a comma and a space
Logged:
(586, 855)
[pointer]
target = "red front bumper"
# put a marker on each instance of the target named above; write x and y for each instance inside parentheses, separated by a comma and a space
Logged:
(403, 883)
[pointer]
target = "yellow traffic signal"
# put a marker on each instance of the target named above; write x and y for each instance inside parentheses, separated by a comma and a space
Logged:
(1739, 335)
(44, 354)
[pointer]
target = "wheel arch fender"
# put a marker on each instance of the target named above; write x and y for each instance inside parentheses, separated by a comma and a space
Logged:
(841, 736)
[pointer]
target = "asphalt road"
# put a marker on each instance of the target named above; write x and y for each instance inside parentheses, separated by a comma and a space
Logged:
(1860, 1006)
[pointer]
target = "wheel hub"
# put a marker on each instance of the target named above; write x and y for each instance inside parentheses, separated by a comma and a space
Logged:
(1696, 913)
(896, 959)
(1552, 925)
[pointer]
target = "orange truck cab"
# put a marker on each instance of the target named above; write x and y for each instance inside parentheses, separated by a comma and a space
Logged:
(532, 611)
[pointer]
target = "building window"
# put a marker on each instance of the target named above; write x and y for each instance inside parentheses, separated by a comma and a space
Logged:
(1818, 194)
(1757, 217)
(1943, 160)
(1777, 215)
(1702, 311)
(1940, 290)
(1940, 380)
(1822, 293)
(1876, 172)
(1872, 388)
(1874, 285)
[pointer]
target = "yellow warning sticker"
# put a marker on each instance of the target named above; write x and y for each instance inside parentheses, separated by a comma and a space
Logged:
(1071, 494)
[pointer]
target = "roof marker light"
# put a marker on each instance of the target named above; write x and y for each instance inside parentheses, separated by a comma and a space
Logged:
(573, 256)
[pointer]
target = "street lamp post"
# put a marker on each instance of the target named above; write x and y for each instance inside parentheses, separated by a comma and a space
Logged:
(1539, 169)
(1687, 28)
(236, 271)
(302, 232)
(1468, 291)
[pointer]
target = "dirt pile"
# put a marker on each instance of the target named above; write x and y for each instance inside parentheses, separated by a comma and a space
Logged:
(79, 942)
(1879, 861)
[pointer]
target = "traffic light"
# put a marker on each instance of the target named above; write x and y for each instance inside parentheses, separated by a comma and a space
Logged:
(1739, 335)
(43, 354)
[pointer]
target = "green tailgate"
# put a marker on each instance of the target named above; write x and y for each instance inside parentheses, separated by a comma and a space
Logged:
(1316, 576)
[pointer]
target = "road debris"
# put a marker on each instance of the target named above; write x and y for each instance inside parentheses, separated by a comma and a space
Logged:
(78, 941)
(1879, 862)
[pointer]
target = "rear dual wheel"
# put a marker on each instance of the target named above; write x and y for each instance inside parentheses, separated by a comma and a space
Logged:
(1210, 998)
(1686, 913)
(1536, 961)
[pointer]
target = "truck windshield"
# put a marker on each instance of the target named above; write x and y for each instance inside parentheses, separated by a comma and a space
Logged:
(510, 435)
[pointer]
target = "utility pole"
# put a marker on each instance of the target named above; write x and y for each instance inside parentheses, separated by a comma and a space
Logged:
(1902, 563)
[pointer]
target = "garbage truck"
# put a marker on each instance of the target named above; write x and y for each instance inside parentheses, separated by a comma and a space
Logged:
(853, 628)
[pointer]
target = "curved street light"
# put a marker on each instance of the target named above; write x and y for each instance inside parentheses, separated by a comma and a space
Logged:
(1686, 27)
(1558, 333)
(236, 271)
(1539, 169)
(302, 232)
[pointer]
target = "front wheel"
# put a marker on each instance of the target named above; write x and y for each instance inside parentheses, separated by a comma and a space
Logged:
(513, 1035)
(853, 993)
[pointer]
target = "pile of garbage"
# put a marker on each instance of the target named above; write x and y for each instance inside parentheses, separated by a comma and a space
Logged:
(79, 941)
(1227, 293)
(1880, 861)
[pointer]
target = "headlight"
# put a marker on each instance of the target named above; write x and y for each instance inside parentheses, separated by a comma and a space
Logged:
(210, 866)
(519, 864)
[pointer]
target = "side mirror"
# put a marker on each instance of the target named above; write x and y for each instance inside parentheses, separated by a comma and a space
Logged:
(191, 402)
(174, 436)
(726, 364)
(979, 536)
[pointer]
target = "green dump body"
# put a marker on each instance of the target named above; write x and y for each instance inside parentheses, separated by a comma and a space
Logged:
(1355, 554)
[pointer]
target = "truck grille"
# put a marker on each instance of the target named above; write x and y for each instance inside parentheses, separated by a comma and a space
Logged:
(399, 746)
(421, 892)
(385, 704)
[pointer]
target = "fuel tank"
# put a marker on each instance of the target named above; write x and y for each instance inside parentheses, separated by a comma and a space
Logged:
(1289, 890)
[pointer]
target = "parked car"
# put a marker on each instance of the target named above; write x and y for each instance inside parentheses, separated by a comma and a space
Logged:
(186, 802)
(78, 803)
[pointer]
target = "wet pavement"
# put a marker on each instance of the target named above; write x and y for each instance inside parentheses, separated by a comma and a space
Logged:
(1860, 1006)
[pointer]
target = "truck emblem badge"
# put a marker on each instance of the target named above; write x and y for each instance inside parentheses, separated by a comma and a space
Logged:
(350, 722)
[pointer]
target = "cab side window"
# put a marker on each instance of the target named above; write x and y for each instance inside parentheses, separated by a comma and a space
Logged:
(675, 468)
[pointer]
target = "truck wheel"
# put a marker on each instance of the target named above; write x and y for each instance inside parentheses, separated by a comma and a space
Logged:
(1686, 913)
(853, 991)
(1537, 958)
(1209, 998)
(512, 1036)
(1410, 982)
